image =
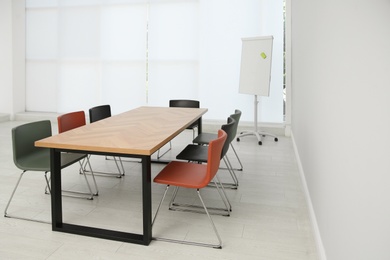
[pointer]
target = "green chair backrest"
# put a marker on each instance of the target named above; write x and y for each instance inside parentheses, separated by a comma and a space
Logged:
(236, 116)
(228, 128)
(24, 137)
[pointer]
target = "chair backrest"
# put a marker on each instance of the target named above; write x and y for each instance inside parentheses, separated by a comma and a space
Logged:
(70, 121)
(236, 116)
(214, 155)
(228, 128)
(24, 137)
(186, 103)
(99, 113)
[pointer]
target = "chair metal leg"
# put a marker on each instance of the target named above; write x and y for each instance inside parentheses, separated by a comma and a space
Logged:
(211, 221)
(195, 208)
(239, 161)
(109, 174)
(217, 246)
(93, 177)
(9, 202)
(223, 194)
(123, 168)
(159, 205)
(231, 171)
(171, 203)
(12, 194)
(108, 158)
(158, 152)
(229, 167)
(122, 173)
(70, 193)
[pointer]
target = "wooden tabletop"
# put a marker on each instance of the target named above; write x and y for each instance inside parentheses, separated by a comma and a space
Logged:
(140, 131)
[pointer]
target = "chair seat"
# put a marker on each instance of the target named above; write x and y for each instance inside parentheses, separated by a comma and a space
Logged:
(40, 161)
(204, 138)
(70, 158)
(183, 174)
(194, 152)
(37, 161)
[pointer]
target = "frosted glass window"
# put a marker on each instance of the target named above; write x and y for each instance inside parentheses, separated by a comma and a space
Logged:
(42, 34)
(78, 86)
(79, 3)
(41, 3)
(124, 85)
(173, 31)
(173, 51)
(172, 80)
(123, 51)
(128, 53)
(79, 33)
(41, 86)
(123, 32)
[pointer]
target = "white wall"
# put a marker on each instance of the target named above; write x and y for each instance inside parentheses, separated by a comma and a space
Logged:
(12, 56)
(340, 121)
(5, 56)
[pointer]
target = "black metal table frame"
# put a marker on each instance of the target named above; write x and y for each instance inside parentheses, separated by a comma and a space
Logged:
(56, 199)
(56, 202)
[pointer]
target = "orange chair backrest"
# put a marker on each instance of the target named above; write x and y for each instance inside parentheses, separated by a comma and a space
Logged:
(70, 121)
(214, 155)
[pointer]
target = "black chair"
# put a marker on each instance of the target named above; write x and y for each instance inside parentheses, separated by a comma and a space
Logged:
(27, 157)
(196, 125)
(98, 113)
(205, 138)
(191, 104)
(199, 153)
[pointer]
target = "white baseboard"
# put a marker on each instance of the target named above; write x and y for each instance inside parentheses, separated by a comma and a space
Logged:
(35, 116)
(4, 117)
(313, 219)
(273, 128)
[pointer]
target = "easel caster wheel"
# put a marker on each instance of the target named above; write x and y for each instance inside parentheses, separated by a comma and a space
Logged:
(238, 139)
(260, 143)
(276, 139)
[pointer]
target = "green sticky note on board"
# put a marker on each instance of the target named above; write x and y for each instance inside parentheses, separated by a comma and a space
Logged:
(263, 55)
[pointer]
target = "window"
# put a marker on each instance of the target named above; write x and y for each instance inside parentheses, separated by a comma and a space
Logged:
(129, 53)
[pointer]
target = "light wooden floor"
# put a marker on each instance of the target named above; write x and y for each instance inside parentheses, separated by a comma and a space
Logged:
(269, 220)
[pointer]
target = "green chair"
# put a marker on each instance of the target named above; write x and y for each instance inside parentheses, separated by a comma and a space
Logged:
(27, 157)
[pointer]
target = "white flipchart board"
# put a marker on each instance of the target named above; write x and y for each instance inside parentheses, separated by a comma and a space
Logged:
(255, 72)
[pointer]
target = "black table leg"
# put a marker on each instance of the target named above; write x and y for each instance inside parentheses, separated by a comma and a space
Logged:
(199, 126)
(56, 198)
(147, 199)
(56, 204)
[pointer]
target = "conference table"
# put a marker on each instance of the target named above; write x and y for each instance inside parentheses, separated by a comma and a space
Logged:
(137, 133)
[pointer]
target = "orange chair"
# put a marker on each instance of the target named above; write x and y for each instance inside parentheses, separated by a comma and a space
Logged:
(193, 176)
(68, 122)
